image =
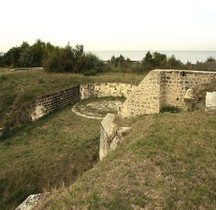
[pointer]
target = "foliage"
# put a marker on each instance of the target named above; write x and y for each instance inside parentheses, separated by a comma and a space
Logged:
(160, 61)
(122, 64)
(76, 60)
(53, 58)
(46, 154)
(20, 88)
(171, 109)
(166, 164)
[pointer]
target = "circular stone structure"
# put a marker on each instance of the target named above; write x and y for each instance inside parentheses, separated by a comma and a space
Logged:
(97, 108)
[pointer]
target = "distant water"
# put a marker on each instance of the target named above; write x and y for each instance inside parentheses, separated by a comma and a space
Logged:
(184, 56)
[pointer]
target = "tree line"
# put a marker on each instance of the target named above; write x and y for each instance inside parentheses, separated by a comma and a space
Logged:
(157, 60)
(52, 58)
(76, 60)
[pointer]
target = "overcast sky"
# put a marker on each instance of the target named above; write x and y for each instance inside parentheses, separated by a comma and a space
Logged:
(110, 24)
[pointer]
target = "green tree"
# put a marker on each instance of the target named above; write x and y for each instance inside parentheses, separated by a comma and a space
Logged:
(160, 60)
(210, 59)
(26, 58)
(174, 63)
(147, 62)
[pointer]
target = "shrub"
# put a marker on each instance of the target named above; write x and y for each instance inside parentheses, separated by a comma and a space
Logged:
(91, 72)
(172, 109)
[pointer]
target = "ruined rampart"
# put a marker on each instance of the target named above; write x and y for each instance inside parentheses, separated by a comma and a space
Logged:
(48, 103)
(163, 88)
(98, 90)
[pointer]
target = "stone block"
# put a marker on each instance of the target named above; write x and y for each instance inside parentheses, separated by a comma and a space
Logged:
(210, 101)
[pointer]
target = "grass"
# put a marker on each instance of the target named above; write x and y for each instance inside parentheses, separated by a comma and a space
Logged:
(51, 152)
(166, 162)
(20, 88)
(45, 155)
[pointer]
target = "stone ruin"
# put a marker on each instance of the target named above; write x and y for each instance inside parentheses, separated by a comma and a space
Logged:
(158, 89)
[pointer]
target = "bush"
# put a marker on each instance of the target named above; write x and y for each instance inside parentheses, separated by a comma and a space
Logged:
(91, 72)
(171, 109)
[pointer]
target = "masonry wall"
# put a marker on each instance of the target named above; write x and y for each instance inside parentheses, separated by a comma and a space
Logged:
(97, 90)
(145, 98)
(163, 88)
(51, 102)
(48, 103)
(174, 85)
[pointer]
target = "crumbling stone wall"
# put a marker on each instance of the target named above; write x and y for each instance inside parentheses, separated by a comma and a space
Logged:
(110, 135)
(145, 99)
(163, 88)
(51, 102)
(175, 84)
(48, 103)
(97, 90)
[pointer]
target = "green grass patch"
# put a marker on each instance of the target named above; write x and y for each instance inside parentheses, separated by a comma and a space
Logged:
(20, 88)
(166, 162)
(46, 154)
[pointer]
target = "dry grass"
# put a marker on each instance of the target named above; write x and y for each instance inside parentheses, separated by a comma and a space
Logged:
(46, 154)
(53, 151)
(167, 162)
(20, 88)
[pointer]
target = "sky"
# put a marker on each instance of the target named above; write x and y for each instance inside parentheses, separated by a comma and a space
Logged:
(110, 24)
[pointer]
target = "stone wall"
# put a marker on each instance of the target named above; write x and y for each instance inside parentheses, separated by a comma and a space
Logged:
(145, 99)
(175, 84)
(51, 102)
(48, 103)
(110, 135)
(97, 90)
(163, 88)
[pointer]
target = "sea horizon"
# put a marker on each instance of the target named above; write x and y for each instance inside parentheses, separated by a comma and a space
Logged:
(137, 55)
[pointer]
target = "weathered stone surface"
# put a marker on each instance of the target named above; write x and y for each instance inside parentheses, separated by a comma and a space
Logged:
(189, 94)
(189, 99)
(111, 135)
(97, 109)
(97, 90)
(30, 202)
(48, 103)
(210, 102)
(51, 102)
(163, 88)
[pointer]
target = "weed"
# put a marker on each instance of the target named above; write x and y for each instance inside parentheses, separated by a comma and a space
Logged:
(172, 109)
